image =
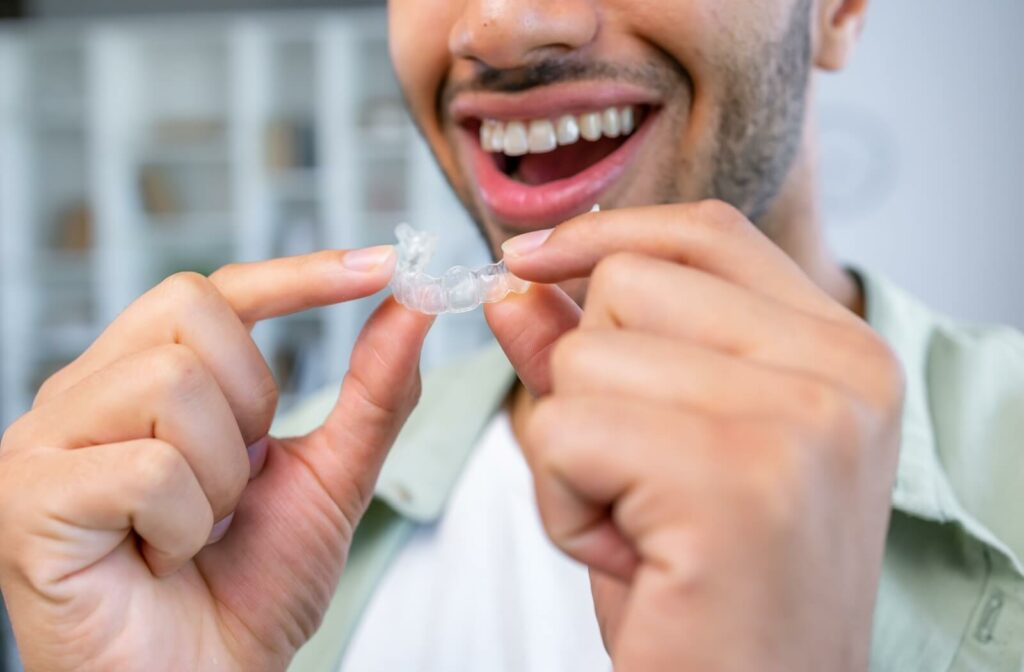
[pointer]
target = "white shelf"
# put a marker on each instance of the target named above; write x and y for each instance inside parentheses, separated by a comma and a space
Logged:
(84, 109)
(187, 225)
(186, 155)
(296, 183)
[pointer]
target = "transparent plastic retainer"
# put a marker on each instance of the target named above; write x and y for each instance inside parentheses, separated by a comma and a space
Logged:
(459, 290)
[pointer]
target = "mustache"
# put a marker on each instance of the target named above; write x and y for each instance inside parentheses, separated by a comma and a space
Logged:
(662, 77)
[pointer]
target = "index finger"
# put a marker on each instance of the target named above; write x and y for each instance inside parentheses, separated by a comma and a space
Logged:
(211, 317)
(710, 236)
(267, 289)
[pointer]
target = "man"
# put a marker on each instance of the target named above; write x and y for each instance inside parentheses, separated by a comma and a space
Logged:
(717, 437)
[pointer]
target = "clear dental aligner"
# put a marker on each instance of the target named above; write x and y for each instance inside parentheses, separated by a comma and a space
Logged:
(459, 290)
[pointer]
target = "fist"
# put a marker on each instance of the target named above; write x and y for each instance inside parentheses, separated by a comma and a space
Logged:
(715, 437)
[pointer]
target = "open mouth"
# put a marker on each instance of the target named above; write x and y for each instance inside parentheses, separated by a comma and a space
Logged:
(541, 151)
(536, 170)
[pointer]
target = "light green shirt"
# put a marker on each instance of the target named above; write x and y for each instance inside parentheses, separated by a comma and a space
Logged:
(952, 589)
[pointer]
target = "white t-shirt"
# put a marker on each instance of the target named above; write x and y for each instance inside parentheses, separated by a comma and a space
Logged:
(483, 589)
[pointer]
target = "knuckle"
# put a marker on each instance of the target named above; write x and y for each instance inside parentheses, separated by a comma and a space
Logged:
(159, 468)
(49, 388)
(55, 383)
(686, 557)
(866, 342)
(891, 378)
(27, 496)
(8, 483)
(379, 409)
(188, 286)
(554, 437)
(618, 263)
(414, 393)
(602, 278)
(570, 355)
(718, 214)
(836, 418)
(610, 272)
(177, 371)
(777, 488)
(543, 426)
(399, 404)
(885, 375)
(825, 408)
(15, 436)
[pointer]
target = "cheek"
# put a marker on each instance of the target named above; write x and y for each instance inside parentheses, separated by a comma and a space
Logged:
(418, 39)
(713, 41)
(418, 33)
(709, 31)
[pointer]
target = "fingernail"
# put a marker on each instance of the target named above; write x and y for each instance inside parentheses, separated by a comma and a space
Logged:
(522, 245)
(220, 530)
(369, 259)
(258, 456)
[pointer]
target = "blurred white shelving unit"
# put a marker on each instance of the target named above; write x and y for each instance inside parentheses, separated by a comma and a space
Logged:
(133, 149)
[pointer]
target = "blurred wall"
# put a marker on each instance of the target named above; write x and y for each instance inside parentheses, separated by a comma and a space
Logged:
(62, 8)
(923, 155)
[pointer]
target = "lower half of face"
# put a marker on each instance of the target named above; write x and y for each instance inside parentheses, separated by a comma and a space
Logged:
(536, 118)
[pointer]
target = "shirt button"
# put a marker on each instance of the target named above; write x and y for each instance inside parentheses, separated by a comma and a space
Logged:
(402, 493)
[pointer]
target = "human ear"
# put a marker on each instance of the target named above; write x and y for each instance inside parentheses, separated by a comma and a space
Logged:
(839, 24)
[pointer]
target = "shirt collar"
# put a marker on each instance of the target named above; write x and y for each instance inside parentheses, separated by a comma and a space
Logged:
(457, 403)
(923, 489)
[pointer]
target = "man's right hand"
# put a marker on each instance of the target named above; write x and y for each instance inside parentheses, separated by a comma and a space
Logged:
(147, 520)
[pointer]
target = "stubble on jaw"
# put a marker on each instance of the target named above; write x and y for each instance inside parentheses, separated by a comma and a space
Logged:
(755, 139)
(762, 119)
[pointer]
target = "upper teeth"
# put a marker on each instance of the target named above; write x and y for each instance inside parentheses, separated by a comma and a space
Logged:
(516, 138)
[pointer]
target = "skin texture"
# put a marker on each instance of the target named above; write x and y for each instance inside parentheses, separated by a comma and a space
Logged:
(715, 432)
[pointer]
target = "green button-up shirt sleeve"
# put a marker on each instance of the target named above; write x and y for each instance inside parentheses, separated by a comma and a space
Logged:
(952, 589)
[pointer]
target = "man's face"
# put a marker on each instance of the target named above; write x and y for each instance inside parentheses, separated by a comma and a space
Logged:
(716, 90)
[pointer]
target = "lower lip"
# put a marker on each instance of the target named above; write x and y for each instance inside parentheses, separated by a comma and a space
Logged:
(526, 207)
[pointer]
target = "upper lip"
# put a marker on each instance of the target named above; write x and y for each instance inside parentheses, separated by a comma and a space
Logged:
(548, 102)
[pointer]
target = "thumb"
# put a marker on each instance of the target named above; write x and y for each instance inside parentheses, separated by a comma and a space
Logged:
(611, 597)
(527, 326)
(380, 390)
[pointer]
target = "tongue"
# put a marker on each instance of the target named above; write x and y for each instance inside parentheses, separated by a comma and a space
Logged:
(564, 162)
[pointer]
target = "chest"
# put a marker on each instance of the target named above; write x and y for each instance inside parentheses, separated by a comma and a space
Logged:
(482, 588)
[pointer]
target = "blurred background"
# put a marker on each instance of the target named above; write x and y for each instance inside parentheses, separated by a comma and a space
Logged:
(143, 137)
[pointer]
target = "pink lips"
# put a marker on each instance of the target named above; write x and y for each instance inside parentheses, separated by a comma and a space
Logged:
(527, 207)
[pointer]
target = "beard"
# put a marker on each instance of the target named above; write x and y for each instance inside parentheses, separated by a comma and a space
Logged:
(762, 119)
(753, 142)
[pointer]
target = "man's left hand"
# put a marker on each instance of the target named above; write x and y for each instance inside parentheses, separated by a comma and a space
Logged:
(714, 436)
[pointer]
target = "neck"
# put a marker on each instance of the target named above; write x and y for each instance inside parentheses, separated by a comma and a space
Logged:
(796, 225)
